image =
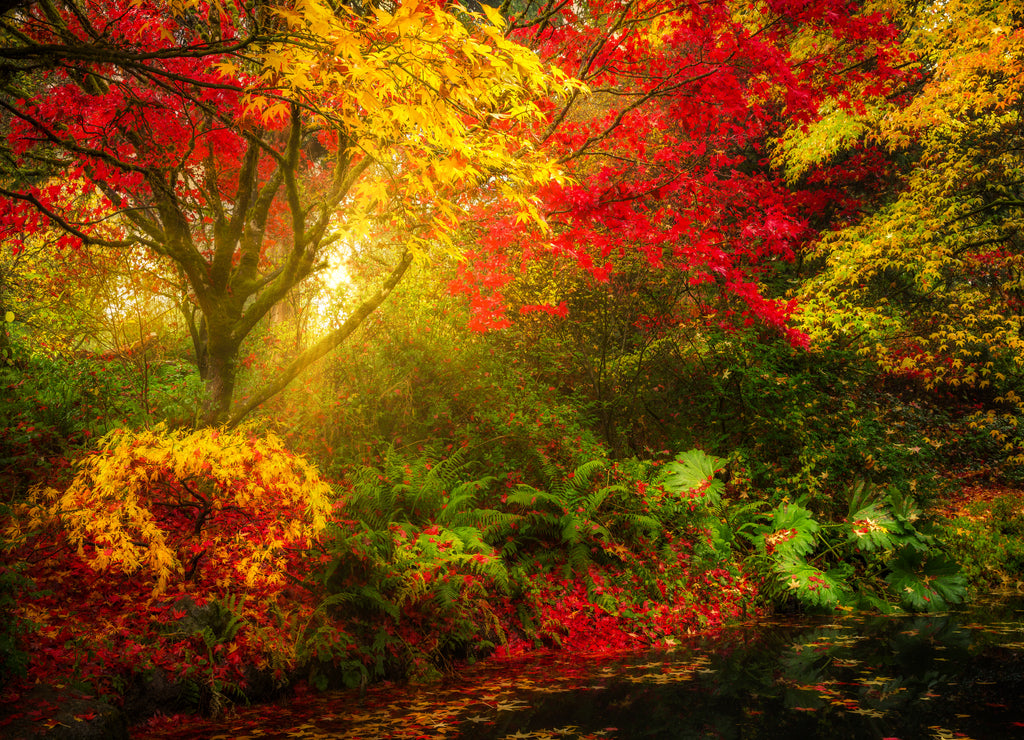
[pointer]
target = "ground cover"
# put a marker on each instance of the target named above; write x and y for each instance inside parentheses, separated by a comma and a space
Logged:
(180, 572)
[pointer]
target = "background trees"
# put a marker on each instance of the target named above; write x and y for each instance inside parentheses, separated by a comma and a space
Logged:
(926, 279)
(669, 153)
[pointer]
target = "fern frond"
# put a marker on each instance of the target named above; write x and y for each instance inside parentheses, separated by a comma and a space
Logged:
(487, 520)
(472, 539)
(641, 523)
(528, 496)
(593, 502)
(576, 485)
(578, 558)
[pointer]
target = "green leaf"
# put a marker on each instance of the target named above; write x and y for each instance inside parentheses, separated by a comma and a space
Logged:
(810, 585)
(872, 528)
(693, 472)
(926, 581)
(9, 317)
(789, 532)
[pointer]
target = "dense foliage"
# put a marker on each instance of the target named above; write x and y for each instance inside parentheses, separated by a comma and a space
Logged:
(556, 325)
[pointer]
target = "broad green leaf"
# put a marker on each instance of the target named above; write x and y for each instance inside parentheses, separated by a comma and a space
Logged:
(926, 581)
(789, 533)
(810, 585)
(693, 472)
(872, 528)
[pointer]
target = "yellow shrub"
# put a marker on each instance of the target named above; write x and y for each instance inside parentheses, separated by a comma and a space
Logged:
(186, 505)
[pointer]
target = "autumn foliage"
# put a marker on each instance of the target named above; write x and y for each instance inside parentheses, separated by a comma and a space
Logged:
(669, 154)
(238, 144)
(581, 325)
(179, 507)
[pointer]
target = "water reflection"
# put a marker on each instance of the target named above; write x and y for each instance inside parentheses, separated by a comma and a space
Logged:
(953, 675)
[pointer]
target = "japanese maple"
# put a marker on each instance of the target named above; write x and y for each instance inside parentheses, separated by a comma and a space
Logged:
(669, 152)
(239, 142)
(926, 281)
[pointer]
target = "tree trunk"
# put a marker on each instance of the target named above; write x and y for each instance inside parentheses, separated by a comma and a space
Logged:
(221, 367)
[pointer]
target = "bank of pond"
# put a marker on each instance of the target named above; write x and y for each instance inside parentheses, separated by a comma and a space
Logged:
(958, 674)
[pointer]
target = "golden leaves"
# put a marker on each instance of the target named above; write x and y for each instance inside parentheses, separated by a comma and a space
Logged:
(442, 107)
(158, 500)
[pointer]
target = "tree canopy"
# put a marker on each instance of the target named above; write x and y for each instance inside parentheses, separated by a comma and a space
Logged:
(237, 143)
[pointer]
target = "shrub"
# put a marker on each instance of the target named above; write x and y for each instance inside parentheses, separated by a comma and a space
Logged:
(184, 505)
(882, 555)
(987, 539)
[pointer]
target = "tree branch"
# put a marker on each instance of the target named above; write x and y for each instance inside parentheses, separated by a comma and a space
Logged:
(325, 345)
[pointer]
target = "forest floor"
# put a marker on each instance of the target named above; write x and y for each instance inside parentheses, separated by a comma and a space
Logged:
(58, 711)
(972, 490)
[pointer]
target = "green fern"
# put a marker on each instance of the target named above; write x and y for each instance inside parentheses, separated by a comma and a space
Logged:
(571, 514)
(415, 491)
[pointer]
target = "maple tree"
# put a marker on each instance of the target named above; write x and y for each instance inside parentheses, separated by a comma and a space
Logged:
(926, 279)
(669, 153)
(169, 551)
(239, 142)
(181, 506)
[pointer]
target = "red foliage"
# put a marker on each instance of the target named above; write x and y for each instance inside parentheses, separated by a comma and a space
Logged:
(669, 159)
(140, 126)
(680, 601)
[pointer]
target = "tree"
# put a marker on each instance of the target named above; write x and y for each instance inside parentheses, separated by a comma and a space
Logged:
(207, 506)
(239, 142)
(669, 155)
(927, 280)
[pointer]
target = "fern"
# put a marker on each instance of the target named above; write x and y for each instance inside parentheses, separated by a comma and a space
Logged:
(528, 496)
(472, 539)
(639, 525)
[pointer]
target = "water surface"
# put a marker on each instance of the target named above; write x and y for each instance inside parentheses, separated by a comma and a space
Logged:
(954, 675)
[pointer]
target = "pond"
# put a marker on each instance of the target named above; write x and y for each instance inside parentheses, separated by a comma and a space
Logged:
(952, 675)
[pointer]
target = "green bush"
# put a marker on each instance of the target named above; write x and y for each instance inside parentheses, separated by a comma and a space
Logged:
(988, 541)
(53, 406)
(414, 378)
(883, 555)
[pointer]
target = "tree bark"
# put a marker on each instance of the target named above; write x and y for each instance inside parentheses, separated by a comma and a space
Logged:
(221, 367)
